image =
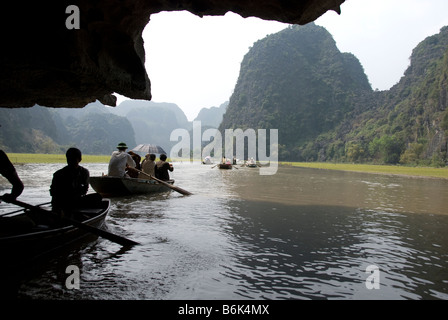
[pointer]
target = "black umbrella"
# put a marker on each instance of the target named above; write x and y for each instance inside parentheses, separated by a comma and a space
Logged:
(149, 148)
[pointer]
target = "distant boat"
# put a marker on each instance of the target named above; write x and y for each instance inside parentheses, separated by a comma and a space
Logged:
(251, 163)
(225, 166)
(116, 186)
(207, 160)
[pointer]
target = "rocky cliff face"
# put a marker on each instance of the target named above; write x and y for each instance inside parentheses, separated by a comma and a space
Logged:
(45, 62)
(296, 81)
(320, 101)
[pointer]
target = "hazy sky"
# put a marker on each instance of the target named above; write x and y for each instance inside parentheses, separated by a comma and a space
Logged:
(194, 62)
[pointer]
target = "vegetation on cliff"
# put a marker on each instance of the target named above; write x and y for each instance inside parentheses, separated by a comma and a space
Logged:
(319, 99)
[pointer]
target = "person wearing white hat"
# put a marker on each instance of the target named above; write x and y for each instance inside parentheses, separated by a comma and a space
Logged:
(119, 161)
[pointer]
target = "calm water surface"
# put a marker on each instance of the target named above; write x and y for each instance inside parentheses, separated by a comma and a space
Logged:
(300, 234)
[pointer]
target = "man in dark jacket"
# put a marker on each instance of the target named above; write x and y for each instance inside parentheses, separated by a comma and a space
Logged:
(70, 184)
(162, 168)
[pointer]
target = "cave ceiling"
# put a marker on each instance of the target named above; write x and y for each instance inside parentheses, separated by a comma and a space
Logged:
(47, 58)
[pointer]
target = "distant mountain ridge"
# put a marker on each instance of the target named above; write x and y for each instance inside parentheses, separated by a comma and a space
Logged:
(95, 129)
(212, 117)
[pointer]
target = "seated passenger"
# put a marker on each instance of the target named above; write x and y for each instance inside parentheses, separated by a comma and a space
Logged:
(70, 185)
(148, 166)
(136, 158)
(162, 167)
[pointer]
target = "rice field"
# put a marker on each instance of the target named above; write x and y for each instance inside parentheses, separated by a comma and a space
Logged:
(21, 158)
(378, 169)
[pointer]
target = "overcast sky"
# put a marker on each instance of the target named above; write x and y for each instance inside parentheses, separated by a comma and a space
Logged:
(194, 62)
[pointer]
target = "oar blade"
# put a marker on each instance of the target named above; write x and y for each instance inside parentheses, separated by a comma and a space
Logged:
(180, 190)
(103, 233)
(100, 232)
(175, 188)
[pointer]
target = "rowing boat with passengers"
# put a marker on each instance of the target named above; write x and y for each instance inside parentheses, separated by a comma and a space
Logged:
(225, 166)
(109, 186)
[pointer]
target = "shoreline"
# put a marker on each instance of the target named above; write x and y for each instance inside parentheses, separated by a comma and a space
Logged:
(412, 172)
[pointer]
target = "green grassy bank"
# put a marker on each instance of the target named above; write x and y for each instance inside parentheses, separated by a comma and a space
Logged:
(20, 158)
(429, 172)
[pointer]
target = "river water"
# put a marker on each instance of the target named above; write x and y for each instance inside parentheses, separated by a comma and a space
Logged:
(298, 234)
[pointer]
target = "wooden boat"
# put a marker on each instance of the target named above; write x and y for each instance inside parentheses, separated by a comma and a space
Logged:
(207, 160)
(116, 186)
(225, 166)
(251, 163)
(31, 235)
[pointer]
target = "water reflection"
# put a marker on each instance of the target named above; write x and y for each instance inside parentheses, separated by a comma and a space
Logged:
(311, 252)
(301, 234)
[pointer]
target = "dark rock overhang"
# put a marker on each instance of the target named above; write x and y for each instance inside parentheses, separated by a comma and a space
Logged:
(44, 62)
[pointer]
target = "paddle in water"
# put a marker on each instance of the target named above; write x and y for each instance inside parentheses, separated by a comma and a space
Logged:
(180, 190)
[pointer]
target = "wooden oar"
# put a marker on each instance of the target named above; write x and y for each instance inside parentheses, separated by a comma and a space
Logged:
(180, 190)
(17, 211)
(10, 213)
(102, 233)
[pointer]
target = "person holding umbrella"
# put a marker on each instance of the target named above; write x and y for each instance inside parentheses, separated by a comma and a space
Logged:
(119, 161)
